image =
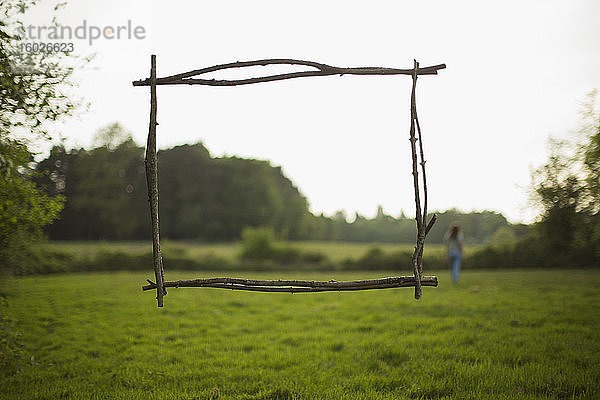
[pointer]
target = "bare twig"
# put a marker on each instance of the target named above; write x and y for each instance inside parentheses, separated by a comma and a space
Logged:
(152, 181)
(320, 70)
(430, 224)
(424, 177)
(422, 232)
(415, 173)
(298, 286)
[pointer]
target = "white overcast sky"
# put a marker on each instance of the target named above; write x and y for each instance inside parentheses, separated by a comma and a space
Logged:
(516, 73)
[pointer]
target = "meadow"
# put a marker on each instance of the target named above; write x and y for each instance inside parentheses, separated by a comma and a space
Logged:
(495, 335)
(334, 251)
(81, 256)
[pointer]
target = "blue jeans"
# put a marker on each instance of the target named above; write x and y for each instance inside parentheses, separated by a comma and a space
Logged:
(455, 257)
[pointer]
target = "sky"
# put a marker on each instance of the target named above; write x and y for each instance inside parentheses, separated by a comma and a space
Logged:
(517, 73)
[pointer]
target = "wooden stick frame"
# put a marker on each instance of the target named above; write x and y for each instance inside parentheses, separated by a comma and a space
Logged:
(290, 286)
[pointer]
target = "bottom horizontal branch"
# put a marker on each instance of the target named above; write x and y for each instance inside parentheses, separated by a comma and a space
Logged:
(297, 286)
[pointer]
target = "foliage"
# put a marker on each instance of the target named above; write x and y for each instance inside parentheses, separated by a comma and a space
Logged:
(590, 152)
(105, 189)
(375, 258)
(31, 93)
(209, 199)
(24, 208)
(567, 189)
(201, 197)
(496, 335)
(258, 252)
(214, 199)
(478, 226)
(259, 245)
(32, 84)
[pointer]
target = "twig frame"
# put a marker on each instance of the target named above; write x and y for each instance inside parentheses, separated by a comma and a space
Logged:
(319, 69)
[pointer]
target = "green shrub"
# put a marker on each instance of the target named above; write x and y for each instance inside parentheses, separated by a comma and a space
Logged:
(376, 259)
(208, 262)
(313, 257)
(41, 260)
(257, 244)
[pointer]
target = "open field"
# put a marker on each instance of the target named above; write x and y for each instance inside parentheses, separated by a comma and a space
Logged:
(334, 251)
(86, 256)
(82, 256)
(496, 335)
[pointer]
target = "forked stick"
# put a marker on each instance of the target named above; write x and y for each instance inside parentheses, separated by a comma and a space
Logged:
(423, 227)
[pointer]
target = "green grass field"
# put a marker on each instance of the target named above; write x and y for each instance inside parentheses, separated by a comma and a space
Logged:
(496, 335)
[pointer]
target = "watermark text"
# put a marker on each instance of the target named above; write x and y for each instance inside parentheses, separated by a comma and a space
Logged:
(84, 31)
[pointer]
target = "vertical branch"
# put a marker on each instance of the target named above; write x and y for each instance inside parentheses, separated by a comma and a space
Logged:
(415, 173)
(413, 147)
(425, 225)
(424, 177)
(152, 181)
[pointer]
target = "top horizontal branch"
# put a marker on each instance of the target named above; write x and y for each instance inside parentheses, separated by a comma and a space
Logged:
(320, 70)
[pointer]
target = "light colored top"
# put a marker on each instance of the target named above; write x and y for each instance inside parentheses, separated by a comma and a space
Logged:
(454, 244)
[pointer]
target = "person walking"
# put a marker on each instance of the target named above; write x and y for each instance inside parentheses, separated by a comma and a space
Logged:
(453, 239)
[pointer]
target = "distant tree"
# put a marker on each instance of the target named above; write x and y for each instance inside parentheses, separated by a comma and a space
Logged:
(477, 226)
(340, 215)
(210, 199)
(504, 235)
(380, 213)
(560, 194)
(112, 136)
(188, 204)
(481, 227)
(590, 152)
(321, 227)
(104, 187)
(200, 197)
(216, 198)
(566, 187)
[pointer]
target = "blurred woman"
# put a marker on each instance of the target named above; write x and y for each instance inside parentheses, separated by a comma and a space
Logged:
(453, 239)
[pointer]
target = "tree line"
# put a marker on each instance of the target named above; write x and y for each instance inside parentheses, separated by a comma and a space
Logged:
(206, 198)
(201, 197)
